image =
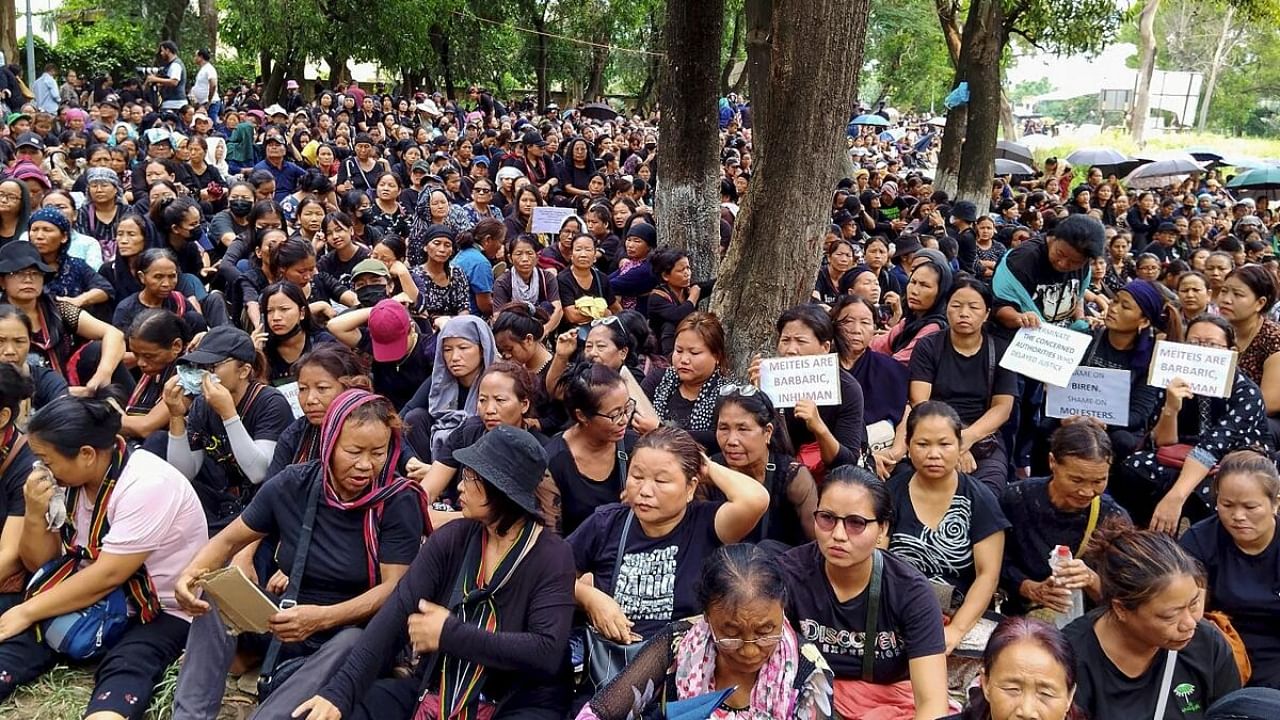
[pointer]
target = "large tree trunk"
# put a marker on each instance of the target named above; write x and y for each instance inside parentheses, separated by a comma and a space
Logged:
(948, 165)
(337, 68)
(209, 21)
(275, 81)
(1146, 67)
(440, 41)
(595, 75)
(1215, 66)
(174, 12)
(812, 79)
(9, 30)
(653, 66)
(735, 44)
(980, 56)
(688, 192)
(542, 54)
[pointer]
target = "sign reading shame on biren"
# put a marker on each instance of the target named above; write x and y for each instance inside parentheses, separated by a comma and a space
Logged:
(1048, 353)
(1209, 371)
(788, 380)
(1091, 392)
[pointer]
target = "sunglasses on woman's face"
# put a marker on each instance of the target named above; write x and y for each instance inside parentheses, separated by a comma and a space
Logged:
(853, 524)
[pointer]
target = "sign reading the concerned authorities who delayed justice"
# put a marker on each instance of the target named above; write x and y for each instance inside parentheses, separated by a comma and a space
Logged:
(788, 380)
(1209, 371)
(1048, 353)
(1091, 392)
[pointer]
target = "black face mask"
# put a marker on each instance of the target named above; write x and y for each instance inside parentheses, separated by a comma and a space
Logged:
(281, 338)
(365, 216)
(240, 208)
(77, 153)
(371, 295)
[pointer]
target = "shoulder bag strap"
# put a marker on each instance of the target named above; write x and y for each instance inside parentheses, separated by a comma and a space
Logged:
(622, 546)
(18, 442)
(622, 461)
(1095, 509)
(770, 475)
(1163, 700)
(290, 598)
(873, 615)
(991, 367)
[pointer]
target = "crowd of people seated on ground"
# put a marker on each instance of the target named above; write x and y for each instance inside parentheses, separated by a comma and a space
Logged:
(486, 470)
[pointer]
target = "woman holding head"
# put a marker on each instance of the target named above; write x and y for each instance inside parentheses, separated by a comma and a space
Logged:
(753, 441)
(1062, 509)
(1237, 547)
(1144, 648)
(741, 641)
(947, 524)
(487, 604)
(836, 583)
(660, 527)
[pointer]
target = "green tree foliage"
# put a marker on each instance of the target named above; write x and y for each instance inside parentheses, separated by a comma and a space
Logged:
(1029, 89)
(906, 57)
(1245, 103)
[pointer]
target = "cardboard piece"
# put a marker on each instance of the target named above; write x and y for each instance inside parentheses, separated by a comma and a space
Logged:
(1211, 372)
(242, 604)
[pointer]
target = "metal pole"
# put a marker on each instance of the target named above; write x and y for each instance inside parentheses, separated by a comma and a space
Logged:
(31, 50)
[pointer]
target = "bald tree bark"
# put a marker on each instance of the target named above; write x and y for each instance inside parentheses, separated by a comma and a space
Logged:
(688, 189)
(803, 59)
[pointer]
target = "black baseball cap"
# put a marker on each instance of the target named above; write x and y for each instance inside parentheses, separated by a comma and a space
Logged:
(221, 343)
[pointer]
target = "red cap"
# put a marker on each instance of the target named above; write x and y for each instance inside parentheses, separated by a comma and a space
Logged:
(389, 331)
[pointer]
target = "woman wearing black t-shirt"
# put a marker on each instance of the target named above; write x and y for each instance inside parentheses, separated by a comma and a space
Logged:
(945, 523)
(288, 331)
(588, 461)
(156, 340)
(1239, 550)
(323, 375)
(1144, 648)
(664, 536)
(15, 390)
(829, 599)
(960, 367)
(752, 441)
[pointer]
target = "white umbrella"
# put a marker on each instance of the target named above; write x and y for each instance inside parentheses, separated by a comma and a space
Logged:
(1162, 172)
(938, 121)
(1085, 157)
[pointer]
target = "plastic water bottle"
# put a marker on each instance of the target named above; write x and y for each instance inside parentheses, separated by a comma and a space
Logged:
(1061, 555)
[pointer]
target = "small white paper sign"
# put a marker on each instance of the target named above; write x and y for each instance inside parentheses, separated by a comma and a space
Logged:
(1091, 392)
(1048, 353)
(787, 380)
(549, 219)
(1209, 371)
(290, 392)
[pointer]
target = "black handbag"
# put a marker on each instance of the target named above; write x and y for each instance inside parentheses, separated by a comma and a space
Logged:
(275, 673)
(605, 658)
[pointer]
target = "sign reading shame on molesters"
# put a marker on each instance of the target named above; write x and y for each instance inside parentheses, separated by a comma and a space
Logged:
(1091, 392)
(1211, 372)
(788, 380)
(1048, 353)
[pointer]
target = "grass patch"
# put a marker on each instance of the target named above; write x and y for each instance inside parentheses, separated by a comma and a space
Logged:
(1265, 148)
(63, 692)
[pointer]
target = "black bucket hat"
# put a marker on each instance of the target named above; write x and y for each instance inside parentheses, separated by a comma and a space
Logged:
(15, 256)
(511, 460)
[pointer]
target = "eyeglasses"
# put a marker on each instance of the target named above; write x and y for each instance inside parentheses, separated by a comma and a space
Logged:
(10, 197)
(28, 275)
(741, 390)
(621, 416)
(483, 191)
(853, 524)
(213, 368)
(1208, 344)
(768, 641)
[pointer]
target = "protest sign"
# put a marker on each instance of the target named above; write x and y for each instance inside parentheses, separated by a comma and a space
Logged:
(290, 392)
(787, 380)
(1209, 371)
(1048, 353)
(549, 219)
(1091, 392)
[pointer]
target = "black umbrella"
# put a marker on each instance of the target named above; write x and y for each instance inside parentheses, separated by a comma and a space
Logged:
(599, 111)
(1010, 150)
(1004, 166)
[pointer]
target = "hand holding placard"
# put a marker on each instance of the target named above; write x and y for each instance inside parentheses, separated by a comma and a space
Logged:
(1210, 371)
(1047, 353)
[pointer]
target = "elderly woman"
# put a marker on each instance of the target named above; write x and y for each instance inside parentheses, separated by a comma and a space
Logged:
(1028, 671)
(1063, 509)
(486, 605)
(660, 531)
(742, 643)
(56, 323)
(841, 588)
(156, 527)
(344, 529)
(1144, 648)
(1237, 547)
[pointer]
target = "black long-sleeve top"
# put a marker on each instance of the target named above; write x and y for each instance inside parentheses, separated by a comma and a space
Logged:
(664, 315)
(525, 659)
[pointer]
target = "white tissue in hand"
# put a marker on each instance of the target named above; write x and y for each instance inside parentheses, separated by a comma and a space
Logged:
(56, 515)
